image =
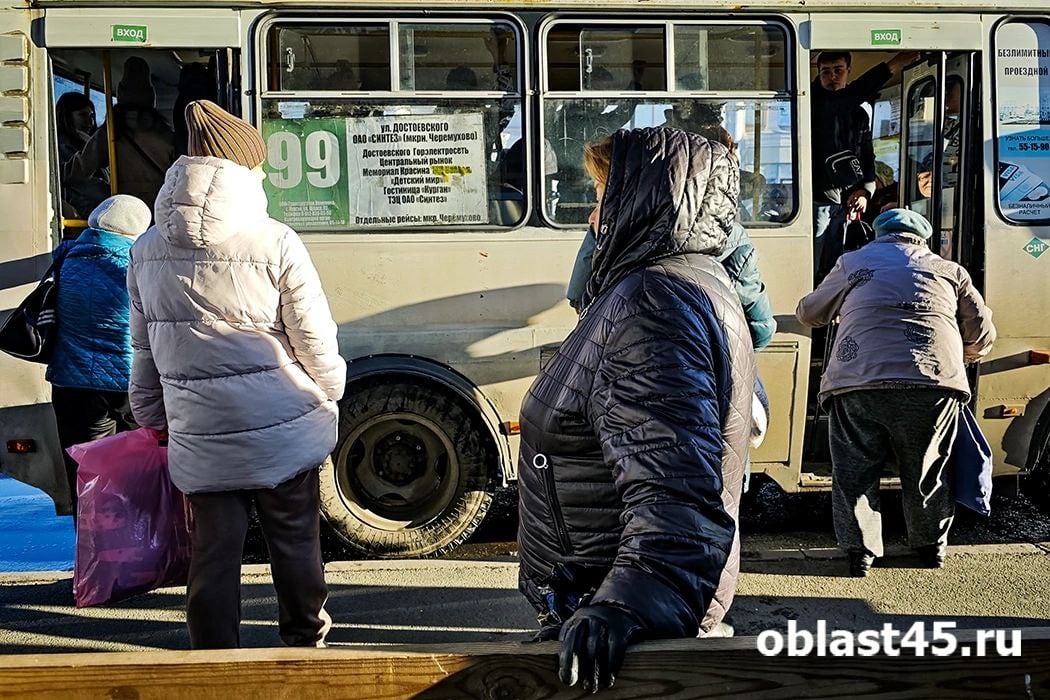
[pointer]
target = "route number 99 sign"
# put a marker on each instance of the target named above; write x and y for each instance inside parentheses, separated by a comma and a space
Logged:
(306, 174)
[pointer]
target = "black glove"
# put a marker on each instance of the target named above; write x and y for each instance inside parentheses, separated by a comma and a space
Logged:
(595, 640)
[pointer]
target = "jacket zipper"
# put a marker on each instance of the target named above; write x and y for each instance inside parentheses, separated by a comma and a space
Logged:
(552, 500)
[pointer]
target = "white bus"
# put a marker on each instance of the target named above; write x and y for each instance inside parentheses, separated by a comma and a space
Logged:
(429, 155)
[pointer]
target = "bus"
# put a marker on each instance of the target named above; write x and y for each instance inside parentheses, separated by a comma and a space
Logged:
(430, 158)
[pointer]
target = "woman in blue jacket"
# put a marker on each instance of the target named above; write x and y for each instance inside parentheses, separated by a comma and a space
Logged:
(91, 363)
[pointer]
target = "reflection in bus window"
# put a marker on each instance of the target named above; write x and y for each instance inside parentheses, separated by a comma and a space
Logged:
(707, 59)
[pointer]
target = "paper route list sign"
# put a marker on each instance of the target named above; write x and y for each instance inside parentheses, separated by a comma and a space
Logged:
(417, 170)
(377, 171)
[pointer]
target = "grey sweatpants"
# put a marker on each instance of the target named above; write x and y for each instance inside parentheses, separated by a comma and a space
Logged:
(868, 428)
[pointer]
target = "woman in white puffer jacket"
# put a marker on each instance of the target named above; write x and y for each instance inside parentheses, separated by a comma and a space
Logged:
(236, 358)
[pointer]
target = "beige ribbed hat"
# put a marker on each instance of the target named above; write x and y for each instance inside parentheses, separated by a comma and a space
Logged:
(217, 133)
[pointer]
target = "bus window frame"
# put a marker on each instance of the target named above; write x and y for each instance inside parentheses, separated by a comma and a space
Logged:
(994, 116)
(523, 96)
(668, 22)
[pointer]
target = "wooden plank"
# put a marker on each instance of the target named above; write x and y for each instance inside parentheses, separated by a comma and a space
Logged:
(678, 669)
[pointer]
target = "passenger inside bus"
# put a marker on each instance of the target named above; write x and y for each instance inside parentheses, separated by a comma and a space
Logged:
(952, 127)
(76, 123)
(144, 141)
(196, 82)
(843, 155)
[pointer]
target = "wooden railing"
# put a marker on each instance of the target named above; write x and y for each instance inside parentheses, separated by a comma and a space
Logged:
(678, 669)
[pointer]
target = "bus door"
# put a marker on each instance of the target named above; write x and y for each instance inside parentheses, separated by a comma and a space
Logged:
(941, 154)
(940, 158)
(121, 79)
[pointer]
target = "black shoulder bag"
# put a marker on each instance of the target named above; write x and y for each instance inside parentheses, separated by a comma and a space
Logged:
(29, 332)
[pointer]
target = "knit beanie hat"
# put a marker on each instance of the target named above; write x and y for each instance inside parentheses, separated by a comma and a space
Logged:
(135, 88)
(129, 216)
(215, 132)
(903, 221)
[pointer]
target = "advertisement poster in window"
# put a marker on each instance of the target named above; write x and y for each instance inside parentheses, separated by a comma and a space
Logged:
(417, 170)
(305, 183)
(1022, 65)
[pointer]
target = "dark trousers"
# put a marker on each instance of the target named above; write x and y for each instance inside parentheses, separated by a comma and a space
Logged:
(85, 415)
(868, 429)
(290, 518)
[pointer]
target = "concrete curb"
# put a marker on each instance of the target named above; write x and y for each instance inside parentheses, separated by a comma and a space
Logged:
(897, 551)
(790, 553)
(413, 564)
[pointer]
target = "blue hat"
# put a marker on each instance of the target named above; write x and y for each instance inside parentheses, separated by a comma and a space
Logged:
(903, 221)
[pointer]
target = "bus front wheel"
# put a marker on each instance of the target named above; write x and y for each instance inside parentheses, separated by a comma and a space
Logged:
(413, 472)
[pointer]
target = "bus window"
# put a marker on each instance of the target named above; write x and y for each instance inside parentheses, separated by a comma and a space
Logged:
(747, 110)
(1022, 97)
(730, 57)
(919, 151)
(457, 57)
(445, 149)
(336, 58)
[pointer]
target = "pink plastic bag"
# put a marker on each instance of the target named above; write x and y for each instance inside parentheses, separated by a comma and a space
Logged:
(132, 534)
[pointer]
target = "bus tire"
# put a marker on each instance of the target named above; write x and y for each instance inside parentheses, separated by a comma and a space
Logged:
(1037, 480)
(413, 473)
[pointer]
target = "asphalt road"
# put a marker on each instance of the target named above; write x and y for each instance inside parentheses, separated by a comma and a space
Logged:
(998, 576)
(433, 602)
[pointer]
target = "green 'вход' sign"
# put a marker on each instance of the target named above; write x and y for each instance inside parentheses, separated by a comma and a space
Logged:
(885, 37)
(133, 33)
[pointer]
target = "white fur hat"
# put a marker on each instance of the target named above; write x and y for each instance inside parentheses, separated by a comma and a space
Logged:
(129, 216)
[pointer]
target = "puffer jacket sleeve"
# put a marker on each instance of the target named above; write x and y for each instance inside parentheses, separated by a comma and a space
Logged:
(974, 319)
(144, 390)
(656, 411)
(821, 306)
(742, 265)
(308, 320)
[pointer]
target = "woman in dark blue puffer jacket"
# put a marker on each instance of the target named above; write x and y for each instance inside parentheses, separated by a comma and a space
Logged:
(91, 364)
(635, 434)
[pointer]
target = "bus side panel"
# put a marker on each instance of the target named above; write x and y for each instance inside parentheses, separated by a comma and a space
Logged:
(25, 229)
(1017, 288)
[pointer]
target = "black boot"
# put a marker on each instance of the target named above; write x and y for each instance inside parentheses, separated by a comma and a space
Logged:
(860, 563)
(932, 556)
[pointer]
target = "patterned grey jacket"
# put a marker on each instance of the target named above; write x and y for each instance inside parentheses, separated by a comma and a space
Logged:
(908, 318)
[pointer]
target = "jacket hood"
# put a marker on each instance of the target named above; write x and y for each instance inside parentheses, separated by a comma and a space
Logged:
(206, 201)
(669, 192)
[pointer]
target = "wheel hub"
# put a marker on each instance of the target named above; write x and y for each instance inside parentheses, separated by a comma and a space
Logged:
(400, 458)
(398, 470)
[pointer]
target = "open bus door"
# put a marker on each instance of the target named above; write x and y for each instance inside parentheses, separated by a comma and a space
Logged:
(941, 158)
(941, 130)
(84, 50)
(911, 143)
(160, 60)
